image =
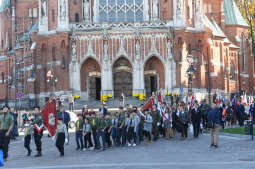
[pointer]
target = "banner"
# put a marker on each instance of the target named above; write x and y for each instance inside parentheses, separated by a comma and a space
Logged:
(49, 115)
(149, 104)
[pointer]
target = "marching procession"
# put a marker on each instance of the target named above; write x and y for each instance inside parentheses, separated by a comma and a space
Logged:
(129, 126)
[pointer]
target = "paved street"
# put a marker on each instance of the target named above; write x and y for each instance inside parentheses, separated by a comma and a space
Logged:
(234, 153)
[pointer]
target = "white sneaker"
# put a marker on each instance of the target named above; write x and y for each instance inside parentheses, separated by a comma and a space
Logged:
(84, 149)
(134, 144)
(91, 148)
(129, 145)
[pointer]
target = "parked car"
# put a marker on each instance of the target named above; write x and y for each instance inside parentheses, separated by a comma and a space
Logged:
(73, 119)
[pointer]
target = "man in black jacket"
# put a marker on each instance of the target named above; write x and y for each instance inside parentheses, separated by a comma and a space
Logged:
(196, 118)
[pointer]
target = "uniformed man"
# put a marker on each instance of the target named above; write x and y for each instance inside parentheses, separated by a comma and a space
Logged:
(155, 121)
(108, 129)
(101, 126)
(121, 128)
(6, 125)
(93, 123)
(38, 131)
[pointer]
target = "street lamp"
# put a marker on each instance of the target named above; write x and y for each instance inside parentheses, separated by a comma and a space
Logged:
(190, 72)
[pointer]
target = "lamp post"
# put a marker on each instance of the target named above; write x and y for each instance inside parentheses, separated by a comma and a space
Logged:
(190, 72)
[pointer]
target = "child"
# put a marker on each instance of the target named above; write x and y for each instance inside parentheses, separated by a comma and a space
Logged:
(78, 132)
(61, 135)
(148, 126)
(87, 135)
(27, 133)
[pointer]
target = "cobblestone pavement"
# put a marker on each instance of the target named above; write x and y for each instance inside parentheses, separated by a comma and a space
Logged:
(234, 153)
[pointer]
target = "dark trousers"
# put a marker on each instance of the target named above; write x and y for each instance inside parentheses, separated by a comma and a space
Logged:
(79, 139)
(196, 128)
(27, 141)
(60, 142)
(155, 131)
(4, 142)
(131, 135)
(114, 135)
(71, 106)
(94, 133)
(121, 133)
(148, 135)
(185, 131)
(101, 134)
(87, 139)
(38, 140)
(141, 133)
(108, 137)
(204, 118)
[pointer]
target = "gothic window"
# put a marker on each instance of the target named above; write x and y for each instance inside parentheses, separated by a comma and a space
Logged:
(54, 54)
(243, 52)
(77, 17)
(232, 72)
(53, 15)
(120, 10)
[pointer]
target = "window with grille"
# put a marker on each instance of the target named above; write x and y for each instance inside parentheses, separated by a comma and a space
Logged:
(120, 10)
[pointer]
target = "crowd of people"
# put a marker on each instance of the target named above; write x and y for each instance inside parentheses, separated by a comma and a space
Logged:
(130, 125)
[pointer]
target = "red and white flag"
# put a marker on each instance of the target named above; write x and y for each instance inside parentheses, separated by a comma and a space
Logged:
(218, 98)
(149, 104)
(49, 115)
(160, 99)
(48, 74)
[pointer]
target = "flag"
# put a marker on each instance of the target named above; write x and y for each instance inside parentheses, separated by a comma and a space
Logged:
(48, 74)
(149, 104)
(218, 98)
(245, 100)
(49, 115)
(160, 99)
(192, 102)
(181, 90)
(234, 102)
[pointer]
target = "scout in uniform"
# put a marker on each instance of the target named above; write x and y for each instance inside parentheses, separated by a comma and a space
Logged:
(28, 135)
(93, 123)
(38, 131)
(78, 132)
(115, 127)
(6, 125)
(121, 128)
(108, 129)
(62, 136)
(101, 126)
(87, 135)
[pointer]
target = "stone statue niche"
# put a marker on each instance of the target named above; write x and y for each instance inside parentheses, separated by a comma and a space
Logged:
(86, 10)
(44, 8)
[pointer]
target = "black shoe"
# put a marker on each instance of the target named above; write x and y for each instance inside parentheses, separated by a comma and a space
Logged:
(39, 154)
(29, 152)
(215, 146)
(62, 155)
(212, 145)
(78, 148)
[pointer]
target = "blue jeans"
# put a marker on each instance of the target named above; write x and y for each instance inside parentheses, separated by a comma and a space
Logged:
(137, 134)
(121, 132)
(79, 139)
(101, 133)
(114, 135)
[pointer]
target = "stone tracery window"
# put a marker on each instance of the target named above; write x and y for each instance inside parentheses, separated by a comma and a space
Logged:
(120, 10)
